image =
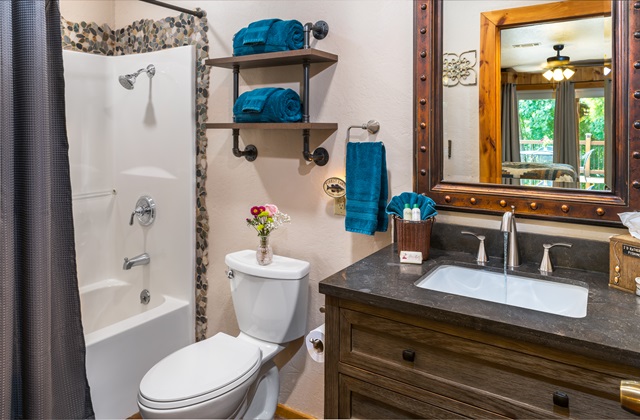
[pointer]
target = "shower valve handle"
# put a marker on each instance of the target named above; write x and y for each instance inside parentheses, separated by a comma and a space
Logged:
(139, 211)
(145, 211)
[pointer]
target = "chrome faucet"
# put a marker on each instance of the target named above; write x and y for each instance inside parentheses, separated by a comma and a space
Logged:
(512, 253)
(142, 259)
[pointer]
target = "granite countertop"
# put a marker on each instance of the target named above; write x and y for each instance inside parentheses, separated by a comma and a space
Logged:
(610, 331)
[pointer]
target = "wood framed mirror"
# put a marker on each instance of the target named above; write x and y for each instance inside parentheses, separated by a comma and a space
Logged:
(549, 202)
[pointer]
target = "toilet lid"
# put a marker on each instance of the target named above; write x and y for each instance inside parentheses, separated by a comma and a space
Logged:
(204, 369)
(282, 268)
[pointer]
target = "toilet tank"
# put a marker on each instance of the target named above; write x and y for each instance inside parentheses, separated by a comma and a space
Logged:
(270, 301)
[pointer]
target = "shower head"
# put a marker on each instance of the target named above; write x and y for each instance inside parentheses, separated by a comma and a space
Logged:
(127, 81)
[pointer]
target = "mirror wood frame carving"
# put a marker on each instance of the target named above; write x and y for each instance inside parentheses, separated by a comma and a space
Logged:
(568, 205)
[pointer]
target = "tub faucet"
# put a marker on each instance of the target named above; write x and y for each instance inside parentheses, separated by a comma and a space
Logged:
(512, 253)
(142, 259)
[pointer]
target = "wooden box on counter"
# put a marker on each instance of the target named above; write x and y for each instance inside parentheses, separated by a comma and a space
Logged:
(624, 262)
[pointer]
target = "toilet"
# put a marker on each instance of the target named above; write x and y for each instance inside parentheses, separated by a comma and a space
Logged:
(235, 377)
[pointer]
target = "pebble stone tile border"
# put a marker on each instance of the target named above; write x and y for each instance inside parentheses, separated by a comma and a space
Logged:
(147, 35)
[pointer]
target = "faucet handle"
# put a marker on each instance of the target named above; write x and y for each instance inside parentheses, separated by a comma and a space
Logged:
(482, 255)
(545, 265)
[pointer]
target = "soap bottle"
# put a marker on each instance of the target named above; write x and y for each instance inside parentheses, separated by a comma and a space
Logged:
(406, 213)
(415, 213)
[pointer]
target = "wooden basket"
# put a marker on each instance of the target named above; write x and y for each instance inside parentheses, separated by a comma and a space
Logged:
(414, 236)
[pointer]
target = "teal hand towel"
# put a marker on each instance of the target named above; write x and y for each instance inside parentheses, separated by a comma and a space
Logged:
(367, 188)
(426, 204)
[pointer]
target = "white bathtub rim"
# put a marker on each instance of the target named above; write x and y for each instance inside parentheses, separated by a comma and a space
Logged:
(170, 304)
(102, 284)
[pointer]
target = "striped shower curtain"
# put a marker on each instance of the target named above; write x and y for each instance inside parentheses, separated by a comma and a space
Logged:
(42, 350)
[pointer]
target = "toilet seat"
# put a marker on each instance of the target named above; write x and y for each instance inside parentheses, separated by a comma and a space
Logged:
(199, 372)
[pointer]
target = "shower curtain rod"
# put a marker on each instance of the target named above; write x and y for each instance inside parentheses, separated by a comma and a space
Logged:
(198, 13)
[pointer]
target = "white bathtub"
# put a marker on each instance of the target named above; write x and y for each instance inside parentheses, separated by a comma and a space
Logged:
(125, 338)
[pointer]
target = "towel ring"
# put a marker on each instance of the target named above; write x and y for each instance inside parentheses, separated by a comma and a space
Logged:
(372, 126)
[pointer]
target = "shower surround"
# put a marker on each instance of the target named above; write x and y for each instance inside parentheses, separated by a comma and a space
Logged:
(124, 144)
(146, 36)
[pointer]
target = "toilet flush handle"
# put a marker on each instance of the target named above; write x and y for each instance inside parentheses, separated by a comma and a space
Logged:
(230, 274)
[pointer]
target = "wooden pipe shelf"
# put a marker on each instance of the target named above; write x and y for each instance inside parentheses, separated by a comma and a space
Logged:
(305, 57)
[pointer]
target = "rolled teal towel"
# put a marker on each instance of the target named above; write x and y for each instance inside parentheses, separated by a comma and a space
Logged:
(256, 33)
(268, 35)
(268, 105)
(427, 205)
(367, 188)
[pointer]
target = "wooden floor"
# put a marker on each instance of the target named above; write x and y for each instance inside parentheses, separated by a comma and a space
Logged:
(284, 412)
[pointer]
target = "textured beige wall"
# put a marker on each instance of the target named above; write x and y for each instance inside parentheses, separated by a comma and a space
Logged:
(99, 11)
(372, 80)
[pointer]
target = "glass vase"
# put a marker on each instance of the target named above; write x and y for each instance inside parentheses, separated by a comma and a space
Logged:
(264, 254)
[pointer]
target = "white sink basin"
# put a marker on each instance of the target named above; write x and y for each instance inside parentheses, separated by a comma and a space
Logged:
(540, 295)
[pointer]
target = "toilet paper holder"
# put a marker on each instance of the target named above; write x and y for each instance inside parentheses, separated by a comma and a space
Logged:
(317, 344)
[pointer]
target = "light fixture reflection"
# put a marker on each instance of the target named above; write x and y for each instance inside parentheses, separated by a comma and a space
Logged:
(606, 71)
(558, 74)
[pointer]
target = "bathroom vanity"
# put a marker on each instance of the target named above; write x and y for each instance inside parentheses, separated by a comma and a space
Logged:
(394, 350)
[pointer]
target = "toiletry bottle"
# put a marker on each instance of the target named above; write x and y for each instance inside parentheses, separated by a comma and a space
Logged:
(415, 213)
(406, 213)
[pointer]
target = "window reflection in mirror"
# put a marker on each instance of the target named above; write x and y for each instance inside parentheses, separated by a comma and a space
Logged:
(536, 118)
(540, 144)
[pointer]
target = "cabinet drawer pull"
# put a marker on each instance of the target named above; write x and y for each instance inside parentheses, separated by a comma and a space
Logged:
(560, 399)
(409, 355)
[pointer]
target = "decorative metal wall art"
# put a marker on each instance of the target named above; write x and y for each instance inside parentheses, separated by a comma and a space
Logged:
(459, 69)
